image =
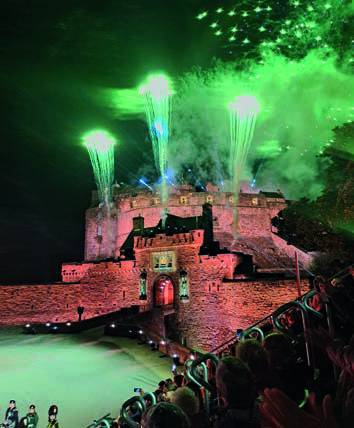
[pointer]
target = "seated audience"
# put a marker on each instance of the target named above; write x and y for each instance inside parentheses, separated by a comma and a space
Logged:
(178, 380)
(165, 415)
(236, 395)
(252, 353)
(284, 371)
(186, 399)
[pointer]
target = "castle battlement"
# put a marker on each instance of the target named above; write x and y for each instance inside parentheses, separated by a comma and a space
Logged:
(161, 241)
(108, 229)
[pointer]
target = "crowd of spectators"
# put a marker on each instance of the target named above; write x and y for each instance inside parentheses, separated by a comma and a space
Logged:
(269, 381)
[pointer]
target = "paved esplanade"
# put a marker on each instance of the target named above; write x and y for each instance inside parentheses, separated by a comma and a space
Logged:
(86, 375)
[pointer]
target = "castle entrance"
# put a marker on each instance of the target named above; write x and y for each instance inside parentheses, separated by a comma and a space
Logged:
(163, 291)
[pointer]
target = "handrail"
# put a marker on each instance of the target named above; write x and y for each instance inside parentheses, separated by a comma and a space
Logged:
(247, 332)
(234, 339)
(124, 412)
(191, 377)
(223, 345)
(97, 422)
(150, 396)
(196, 363)
(305, 300)
(305, 323)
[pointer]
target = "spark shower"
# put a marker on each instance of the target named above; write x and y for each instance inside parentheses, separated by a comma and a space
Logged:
(243, 115)
(157, 94)
(100, 145)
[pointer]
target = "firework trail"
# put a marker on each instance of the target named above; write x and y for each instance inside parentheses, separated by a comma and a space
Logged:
(243, 114)
(157, 94)
(100, 145)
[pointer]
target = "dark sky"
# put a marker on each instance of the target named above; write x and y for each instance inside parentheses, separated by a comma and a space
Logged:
(56, 56)
(53, 54)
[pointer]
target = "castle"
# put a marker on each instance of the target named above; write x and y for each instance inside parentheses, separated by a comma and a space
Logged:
(193, 282)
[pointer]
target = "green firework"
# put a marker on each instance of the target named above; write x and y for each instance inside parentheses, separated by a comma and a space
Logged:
(243, 114)
(157, 94)
(100, 145)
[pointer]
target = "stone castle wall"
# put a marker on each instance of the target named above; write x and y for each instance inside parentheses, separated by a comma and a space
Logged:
(107, 231)
(218, 303)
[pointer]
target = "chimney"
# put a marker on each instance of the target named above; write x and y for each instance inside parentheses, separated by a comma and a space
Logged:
(207, 219)
(138, 224)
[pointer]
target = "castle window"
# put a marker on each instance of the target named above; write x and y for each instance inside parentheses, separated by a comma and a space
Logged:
(155, 201)
(231, 199)
(133, 203)
(183, 200)
(99, 230)
(183, 286)
(209, 199)
(123, 295)
(164, 261)
(254, 201)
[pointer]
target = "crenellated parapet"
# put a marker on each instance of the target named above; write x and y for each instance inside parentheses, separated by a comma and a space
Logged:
(195, 237)
(106, 233)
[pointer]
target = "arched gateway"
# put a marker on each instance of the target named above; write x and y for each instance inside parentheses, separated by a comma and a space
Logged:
(163, 291)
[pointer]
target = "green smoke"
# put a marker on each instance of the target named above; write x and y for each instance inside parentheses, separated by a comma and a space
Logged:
(301, 101)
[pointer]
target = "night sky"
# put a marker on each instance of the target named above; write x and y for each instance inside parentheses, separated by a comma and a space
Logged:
(57, 56)
(54, 55)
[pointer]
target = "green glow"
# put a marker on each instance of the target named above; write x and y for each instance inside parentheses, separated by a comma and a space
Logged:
(325, 20)
(233, 29)
(218, 33)
(202, 15)
(213, 24)
(157, 92)
(301, 102)
(100, 145)
(243, 114)
(124, 103)
(219, 10)
(269, 149)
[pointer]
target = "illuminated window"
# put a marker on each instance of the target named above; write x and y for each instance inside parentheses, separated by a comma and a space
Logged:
(133, 203)
(164, 261)
(254, 201)
(183, 286)
(142, 285)
(155, 201)
(183, 200)
(209, 199)
(231, 199)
